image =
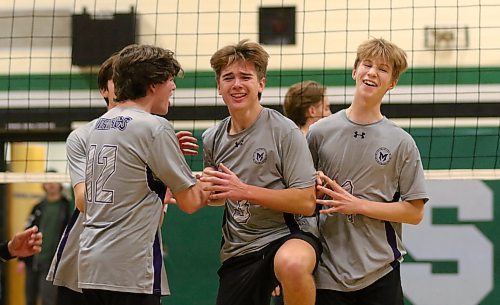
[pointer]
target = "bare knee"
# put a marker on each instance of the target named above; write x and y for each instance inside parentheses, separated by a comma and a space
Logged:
(295, 259)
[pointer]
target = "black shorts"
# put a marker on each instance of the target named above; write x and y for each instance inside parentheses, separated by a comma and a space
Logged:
(66, 296)
(249, 279)
(385, 291)
(107, 297)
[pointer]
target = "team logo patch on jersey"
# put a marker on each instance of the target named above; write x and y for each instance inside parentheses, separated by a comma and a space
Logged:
(382, 156)
(260, 156)
(241, 212)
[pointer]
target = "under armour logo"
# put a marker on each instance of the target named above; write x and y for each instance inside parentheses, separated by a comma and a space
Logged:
(357, 134)
(238, 143)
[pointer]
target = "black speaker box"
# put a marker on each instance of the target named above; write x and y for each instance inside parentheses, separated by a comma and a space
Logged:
(277, 25)
(94, 39)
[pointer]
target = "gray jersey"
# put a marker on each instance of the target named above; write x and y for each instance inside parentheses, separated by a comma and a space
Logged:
(131, 156)
(273, 154)
(64, 267)
(378, 162)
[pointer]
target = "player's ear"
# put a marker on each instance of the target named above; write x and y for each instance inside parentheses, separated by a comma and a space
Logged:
(353, 74)
(311, 111)
(218, 87)
(393, 84)
(262, 84)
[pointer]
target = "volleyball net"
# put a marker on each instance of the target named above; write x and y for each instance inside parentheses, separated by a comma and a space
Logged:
(448, 100)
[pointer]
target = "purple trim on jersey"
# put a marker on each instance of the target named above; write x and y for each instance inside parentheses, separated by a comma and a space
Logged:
(224, 220)
(155, 184)
(157, 264)
(160, 189)
(65, 236)
(391, 239)
(290, 222)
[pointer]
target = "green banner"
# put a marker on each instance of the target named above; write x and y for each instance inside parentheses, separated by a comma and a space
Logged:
(452, 252)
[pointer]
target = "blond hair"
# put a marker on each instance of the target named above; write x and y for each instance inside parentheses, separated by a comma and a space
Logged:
(381, 48)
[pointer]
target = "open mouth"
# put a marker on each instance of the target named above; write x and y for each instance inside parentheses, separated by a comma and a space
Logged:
(369, 83)
(238, 95)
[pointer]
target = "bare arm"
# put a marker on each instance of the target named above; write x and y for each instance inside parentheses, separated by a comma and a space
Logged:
(342, 201)
(226, 185)
(193, 198)
(79, 191)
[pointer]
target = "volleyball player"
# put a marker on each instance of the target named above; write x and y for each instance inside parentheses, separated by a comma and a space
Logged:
(64, 268)
(132, 156)
(264, 173)
(305, 103)
(369, 163)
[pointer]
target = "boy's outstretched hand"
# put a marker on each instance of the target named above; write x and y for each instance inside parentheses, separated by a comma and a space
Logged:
(26, 243)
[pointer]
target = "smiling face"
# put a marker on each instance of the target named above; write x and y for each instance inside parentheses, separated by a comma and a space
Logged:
(163, 92)
(239, 86)
(373, 78)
